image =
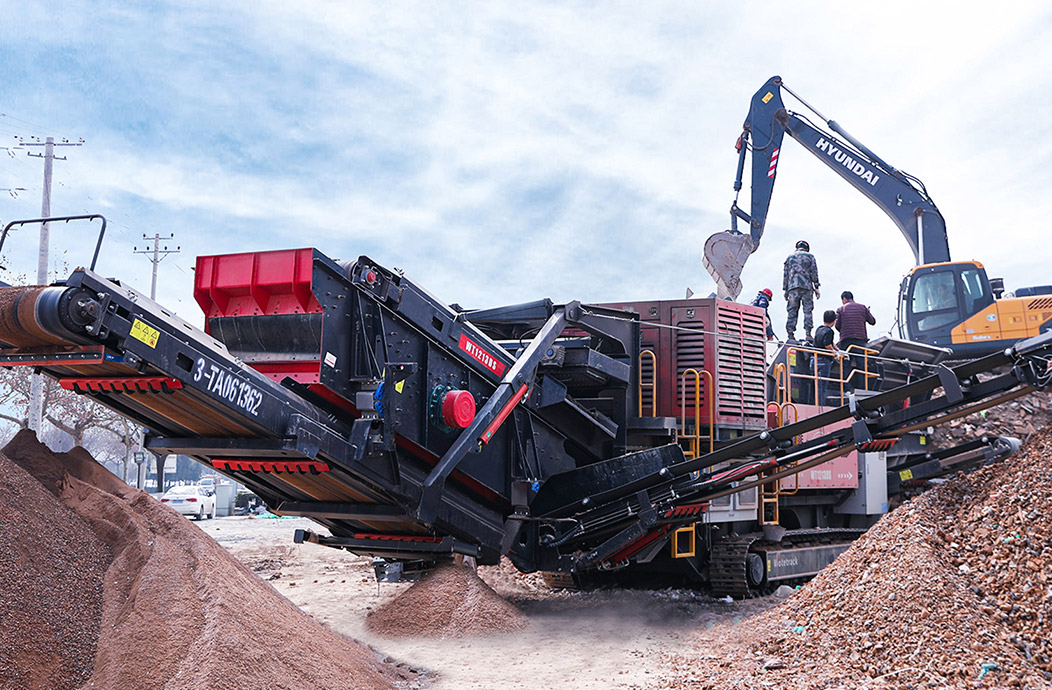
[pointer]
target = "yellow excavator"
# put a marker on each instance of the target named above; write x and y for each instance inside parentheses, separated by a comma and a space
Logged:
(950, 304)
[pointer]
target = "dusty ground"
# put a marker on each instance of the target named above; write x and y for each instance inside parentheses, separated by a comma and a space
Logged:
(586, 640)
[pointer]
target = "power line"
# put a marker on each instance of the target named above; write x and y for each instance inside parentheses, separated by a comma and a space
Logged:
(39, 128)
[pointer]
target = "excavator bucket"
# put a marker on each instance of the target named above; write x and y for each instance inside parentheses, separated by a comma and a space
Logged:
(725, 255)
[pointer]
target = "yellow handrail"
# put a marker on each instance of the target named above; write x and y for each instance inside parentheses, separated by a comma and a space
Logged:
(710, 397)
(652, 385)
(796, 418)
(780, 389)
(866, 352)
(695, 439)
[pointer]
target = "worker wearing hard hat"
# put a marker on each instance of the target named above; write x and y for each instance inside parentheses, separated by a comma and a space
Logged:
(763, 300)
(800, 283)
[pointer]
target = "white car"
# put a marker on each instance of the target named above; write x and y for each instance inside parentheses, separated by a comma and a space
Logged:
(193, 500)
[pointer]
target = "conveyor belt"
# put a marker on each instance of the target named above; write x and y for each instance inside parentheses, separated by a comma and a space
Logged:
(110, 343)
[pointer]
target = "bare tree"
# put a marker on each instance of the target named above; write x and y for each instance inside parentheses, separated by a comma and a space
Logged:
(106, 434)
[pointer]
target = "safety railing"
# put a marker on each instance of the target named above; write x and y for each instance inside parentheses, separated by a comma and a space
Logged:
(783, 390)
(694, 439)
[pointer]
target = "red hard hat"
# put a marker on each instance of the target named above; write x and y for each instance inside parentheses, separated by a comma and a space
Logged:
(767, 291)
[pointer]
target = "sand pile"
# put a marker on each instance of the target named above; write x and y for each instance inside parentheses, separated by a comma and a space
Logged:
(114, 590)
(50, 557)
(953, 586)
(450, 601)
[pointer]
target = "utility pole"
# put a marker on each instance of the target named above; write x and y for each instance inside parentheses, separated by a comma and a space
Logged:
(158, 255)
(36, 384)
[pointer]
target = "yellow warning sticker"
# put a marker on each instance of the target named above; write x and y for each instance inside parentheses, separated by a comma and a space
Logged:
(399, 386)
(767, 97)
(906, 475)
(144, 334)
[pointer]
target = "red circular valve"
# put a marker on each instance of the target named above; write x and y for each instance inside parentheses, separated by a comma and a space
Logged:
(370, 277)
(458, 409)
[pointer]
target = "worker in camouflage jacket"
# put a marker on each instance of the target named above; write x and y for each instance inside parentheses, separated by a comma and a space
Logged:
(800, 283)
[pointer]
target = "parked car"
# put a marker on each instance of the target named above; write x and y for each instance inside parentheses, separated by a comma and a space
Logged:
(191, 500)
(208, 484)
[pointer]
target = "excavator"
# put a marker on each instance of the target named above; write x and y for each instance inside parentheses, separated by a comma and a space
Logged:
(943, 303)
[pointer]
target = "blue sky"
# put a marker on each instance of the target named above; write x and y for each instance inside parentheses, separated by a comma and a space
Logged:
(498, 153)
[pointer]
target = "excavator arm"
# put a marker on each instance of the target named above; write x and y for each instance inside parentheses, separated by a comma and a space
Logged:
(902, 196)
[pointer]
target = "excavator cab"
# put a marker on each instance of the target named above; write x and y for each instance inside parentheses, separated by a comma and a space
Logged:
(935, 299)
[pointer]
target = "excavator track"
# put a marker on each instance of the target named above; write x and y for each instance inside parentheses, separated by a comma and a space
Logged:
(728, 567)
(747, 566)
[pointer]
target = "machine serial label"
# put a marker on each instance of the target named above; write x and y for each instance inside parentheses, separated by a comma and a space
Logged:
(905, 475)
(481, 356)
(144, 334)
(229, 387)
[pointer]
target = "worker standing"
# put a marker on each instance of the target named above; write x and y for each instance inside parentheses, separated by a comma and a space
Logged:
(763, 300)
(827, 353)
(800, 283)
(851, 320)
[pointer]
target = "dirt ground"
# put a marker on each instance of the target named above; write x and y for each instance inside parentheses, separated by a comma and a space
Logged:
(586, 640)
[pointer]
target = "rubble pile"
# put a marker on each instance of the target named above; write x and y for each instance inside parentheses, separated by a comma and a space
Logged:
(107, 588)
(450, 601)
(1021, 418)
(951, 590)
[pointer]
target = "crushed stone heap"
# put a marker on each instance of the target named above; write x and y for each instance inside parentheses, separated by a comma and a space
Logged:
(104, 587)
(450, 601)
(951, 590)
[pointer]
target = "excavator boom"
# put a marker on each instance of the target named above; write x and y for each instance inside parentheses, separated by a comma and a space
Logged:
(898, 194)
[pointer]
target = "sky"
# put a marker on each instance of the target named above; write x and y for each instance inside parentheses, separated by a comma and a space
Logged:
(498, 153)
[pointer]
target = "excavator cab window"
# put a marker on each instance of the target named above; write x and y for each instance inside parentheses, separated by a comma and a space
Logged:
(934, 301)
(976, 289)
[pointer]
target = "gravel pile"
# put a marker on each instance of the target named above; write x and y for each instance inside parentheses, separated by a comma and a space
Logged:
(951, 590)
(450, 601)
(141, 597)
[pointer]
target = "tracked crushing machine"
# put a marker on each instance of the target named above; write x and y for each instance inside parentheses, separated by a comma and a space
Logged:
(631, 439)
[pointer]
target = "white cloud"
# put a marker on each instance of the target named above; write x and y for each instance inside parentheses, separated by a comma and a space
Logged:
(572, 150)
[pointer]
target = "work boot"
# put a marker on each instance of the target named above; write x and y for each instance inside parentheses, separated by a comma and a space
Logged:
(809, 338)
(790, 337)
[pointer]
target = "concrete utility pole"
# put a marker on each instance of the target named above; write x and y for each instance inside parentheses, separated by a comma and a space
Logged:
(36, 383)
(158, 255)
